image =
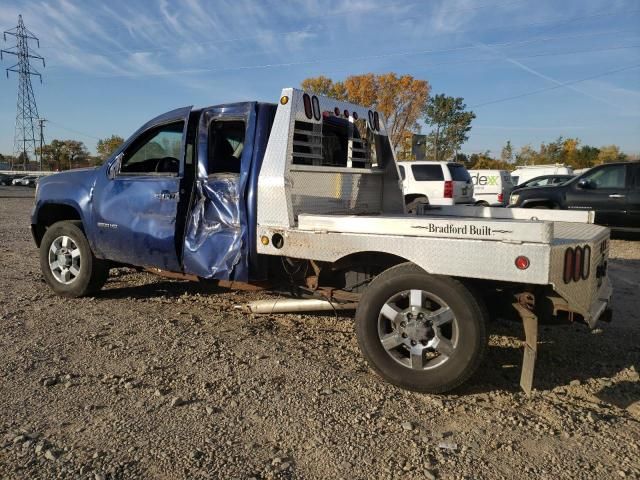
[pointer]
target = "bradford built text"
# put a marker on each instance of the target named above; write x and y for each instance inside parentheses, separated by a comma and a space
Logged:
(450, 228)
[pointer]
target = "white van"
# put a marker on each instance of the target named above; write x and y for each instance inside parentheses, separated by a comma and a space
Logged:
(527, 172)
(435, 183)
(491, 187)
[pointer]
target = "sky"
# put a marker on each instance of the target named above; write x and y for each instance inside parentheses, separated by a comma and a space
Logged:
(530, 70)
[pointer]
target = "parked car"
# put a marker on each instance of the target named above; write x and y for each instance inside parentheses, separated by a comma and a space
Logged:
(491, 187)
(435, 183)
(525, 173)
(28, 181)
(5, 179)
(612, 190)
(544, 180)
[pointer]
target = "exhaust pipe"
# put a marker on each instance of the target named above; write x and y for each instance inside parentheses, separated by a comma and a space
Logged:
(291, 305)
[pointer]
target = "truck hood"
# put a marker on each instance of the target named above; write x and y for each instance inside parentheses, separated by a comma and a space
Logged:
(75, 176)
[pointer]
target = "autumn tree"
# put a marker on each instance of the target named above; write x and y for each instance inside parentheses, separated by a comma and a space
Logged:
(610, 153)
(482, 161)
(451, 123)
(571, 153)
(401, 99)
(527, 156)
(106, 146)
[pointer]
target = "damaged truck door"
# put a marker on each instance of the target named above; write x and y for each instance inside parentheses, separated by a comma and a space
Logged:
(135, 205)
(216, 237)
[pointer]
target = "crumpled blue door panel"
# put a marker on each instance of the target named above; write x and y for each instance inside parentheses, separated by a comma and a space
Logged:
(216, 236)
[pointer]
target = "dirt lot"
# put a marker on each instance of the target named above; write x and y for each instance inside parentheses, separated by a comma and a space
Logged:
(164, 379)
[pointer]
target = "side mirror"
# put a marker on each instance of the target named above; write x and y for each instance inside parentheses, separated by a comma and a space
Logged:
(584, 183)
(114, 168)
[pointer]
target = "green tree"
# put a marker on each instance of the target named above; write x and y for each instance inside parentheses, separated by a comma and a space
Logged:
(401, 99)
(64, 154)
(451, 123)
(507, 153)
(588, 156)
(106, 146)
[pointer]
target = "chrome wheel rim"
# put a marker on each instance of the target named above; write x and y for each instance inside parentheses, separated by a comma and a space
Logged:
(64, 259)
(418, 330)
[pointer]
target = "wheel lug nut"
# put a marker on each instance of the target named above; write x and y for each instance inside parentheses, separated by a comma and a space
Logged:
(420, 316)
(403, 324)
(409, 316)
(413, 343)
(404, 335)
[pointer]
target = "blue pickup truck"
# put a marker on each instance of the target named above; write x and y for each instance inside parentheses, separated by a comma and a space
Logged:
(306, 193)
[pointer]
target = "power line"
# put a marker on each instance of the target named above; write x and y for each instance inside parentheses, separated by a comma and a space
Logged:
(554, 87)
(77, 132)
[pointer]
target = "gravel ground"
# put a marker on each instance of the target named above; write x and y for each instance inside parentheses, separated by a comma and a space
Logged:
(164, 379)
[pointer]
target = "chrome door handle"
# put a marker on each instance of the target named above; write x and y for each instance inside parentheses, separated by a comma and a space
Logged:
(616, 195)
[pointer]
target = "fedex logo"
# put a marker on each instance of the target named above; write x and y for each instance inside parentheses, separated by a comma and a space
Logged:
(484, 180)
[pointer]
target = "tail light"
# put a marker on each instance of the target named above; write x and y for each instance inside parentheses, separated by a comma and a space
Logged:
(306, 100)
(577, 264)
(567, 273)
(500, 197)
(448, 189)
(586, 270)
(522, 262)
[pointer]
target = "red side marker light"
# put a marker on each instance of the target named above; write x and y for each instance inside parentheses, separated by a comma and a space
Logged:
(522, 262)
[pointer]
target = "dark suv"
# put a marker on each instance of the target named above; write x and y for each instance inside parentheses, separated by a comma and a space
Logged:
(612, 190)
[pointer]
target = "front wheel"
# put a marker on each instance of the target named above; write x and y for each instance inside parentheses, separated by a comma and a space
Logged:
(420, 332)
(67, 262)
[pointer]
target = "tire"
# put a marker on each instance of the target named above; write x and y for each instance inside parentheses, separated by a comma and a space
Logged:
(544, 206)
(83, 273)
(437, 371)
(412, 206)
(482, 204)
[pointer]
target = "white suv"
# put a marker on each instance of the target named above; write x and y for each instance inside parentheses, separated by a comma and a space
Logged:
(435, 183)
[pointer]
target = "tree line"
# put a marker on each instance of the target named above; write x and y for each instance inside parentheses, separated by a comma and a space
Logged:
(67, 154)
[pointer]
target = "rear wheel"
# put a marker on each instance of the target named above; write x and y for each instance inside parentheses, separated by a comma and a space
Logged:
(67, 262)
(420, 332)
(413, 205)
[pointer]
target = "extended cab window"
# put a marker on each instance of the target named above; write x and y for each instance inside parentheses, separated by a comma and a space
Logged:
(226, 143)
(427, 173)
(607, 177)
(155, 151)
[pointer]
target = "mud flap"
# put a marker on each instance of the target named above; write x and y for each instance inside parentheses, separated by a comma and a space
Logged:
(530, 323)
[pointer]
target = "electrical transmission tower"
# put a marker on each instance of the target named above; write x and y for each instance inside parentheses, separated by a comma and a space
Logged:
(24, 141)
